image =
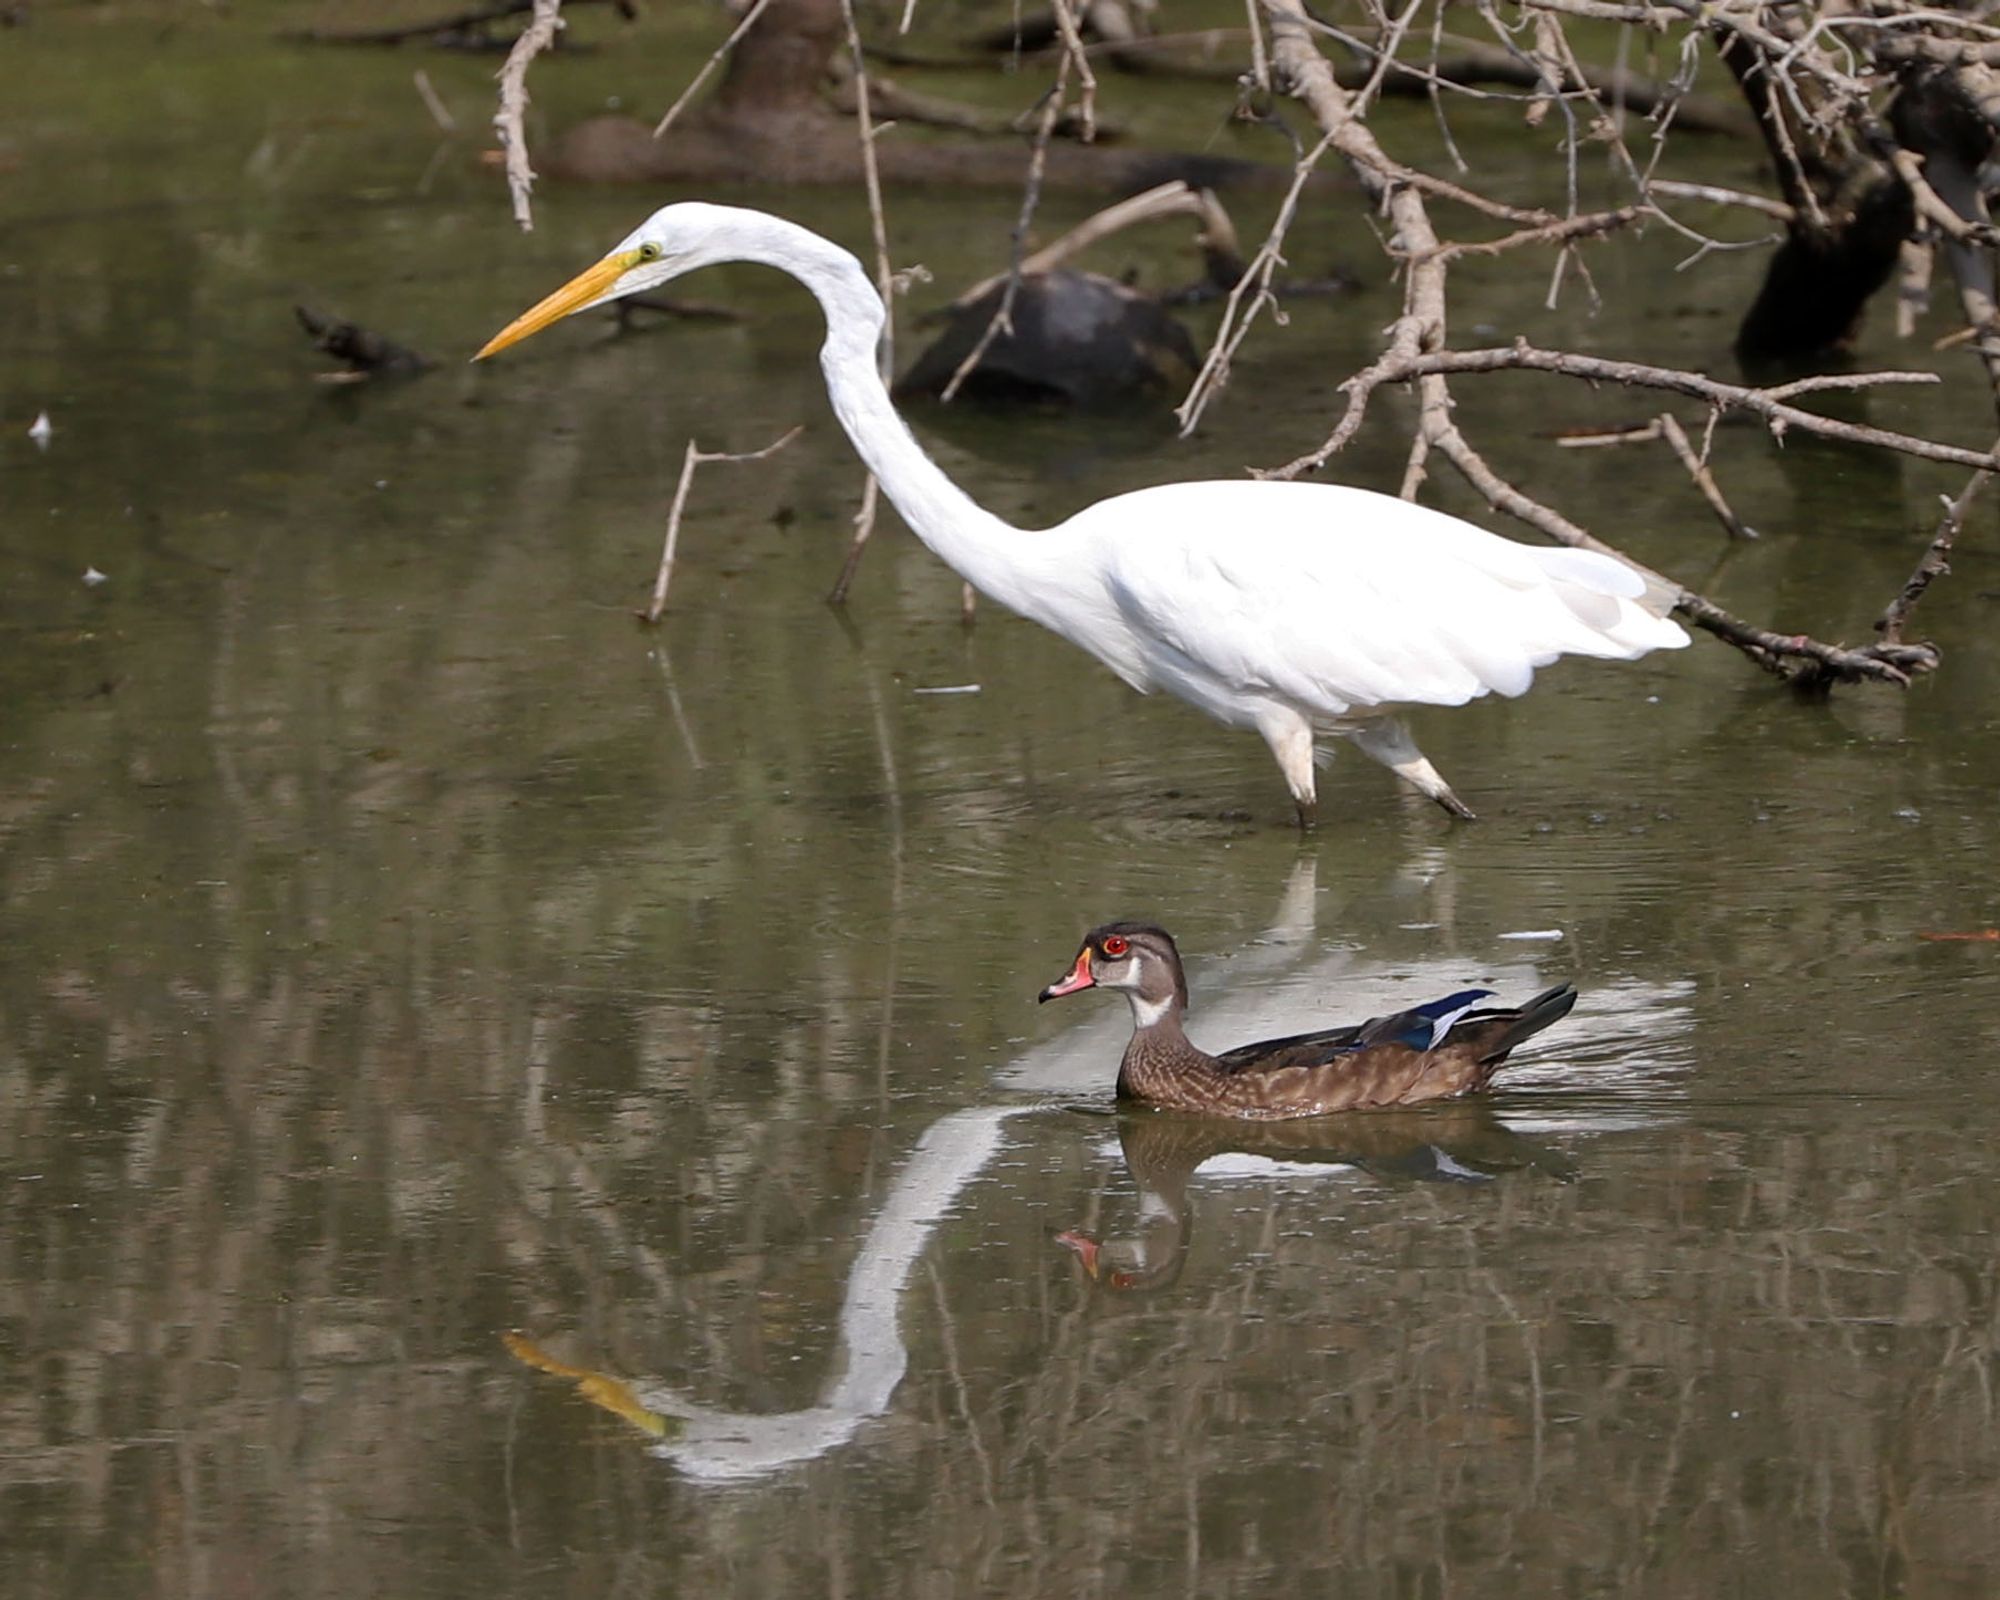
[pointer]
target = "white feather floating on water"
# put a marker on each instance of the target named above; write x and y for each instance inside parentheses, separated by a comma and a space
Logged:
(41, 430)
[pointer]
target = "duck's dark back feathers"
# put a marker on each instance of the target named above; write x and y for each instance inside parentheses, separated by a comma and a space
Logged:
(1295, 1050)
(1437, 1050)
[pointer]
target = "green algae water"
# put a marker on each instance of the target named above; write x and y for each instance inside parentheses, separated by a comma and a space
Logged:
(496, 1099)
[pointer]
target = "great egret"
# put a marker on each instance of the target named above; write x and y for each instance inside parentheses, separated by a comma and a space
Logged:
(1437, 1051)
(1291, 608)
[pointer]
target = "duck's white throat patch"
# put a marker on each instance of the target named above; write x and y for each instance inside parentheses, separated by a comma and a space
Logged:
(1145, 1012)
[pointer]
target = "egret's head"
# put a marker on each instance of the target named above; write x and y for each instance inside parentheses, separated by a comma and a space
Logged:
(673, 240)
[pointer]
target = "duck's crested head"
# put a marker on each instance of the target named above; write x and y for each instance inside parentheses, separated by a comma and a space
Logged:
(1139, 958)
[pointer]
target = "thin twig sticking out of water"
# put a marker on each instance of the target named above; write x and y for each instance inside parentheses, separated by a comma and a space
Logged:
(695, 457)
(1256, 284)
(1075, 55)
(708, 67)
(1002, 320)
(885, 284)
(1667, 426)
(539, 34)
(1936, 560)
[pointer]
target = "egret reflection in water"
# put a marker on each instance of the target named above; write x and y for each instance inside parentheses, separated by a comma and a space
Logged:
(870, 1355)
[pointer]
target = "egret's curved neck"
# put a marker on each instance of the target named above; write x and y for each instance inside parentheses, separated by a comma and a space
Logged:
(1000, 560)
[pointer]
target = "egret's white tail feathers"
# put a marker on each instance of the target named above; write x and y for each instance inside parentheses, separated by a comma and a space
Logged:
(1661, 597)
(1626, 609)
(1610, 575)
(1589, 570)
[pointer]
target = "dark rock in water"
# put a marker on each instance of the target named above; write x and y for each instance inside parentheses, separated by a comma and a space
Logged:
(1077, 337)
(362, 350)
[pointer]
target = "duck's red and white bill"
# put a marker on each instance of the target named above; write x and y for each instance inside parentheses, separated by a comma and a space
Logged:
(1079, 978)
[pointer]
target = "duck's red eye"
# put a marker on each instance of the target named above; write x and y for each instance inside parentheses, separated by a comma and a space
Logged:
(1115, 945)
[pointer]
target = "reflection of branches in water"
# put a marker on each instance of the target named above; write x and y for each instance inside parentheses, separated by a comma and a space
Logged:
(1829, 1282)
(282, 1202)
(1420, 1360)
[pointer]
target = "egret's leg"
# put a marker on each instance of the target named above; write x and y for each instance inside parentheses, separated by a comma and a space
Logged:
(1389, 742)
(1290, 737)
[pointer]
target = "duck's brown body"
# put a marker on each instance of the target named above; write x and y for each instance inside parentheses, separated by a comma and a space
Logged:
(1163, 1067)
(1434, 1052)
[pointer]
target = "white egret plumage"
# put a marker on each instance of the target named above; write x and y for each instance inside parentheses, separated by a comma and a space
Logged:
(1295, 609)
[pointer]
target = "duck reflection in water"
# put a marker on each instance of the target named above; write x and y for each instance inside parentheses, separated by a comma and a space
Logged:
(1460, 1143)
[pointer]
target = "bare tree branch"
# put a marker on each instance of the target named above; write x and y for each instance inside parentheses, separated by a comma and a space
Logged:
(539, 34)
(1935, 564)
(1767, 403)
(864, 516)
(1416, 353)
(1704, 478)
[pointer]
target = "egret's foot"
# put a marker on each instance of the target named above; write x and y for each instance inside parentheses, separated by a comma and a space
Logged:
(1308, 811)
(1389, 742)
(1290, 737)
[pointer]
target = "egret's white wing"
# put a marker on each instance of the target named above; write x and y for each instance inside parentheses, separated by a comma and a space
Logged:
(1340, 599)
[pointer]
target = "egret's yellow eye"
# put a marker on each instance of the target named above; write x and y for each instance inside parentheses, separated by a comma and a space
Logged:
(649, 251)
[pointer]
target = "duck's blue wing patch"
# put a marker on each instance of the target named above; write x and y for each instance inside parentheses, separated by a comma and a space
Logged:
(1423, 1027)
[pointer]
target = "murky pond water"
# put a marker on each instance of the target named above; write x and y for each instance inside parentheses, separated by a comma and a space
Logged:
(492, 1098)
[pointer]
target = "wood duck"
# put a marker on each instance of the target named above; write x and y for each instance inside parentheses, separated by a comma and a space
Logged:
(1434, 1051)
